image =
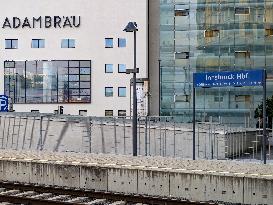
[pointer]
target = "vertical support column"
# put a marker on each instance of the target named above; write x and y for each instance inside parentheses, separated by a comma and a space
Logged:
(40, 143)
(146, 137)
(134, 102)
(264, 116)
(193, 121)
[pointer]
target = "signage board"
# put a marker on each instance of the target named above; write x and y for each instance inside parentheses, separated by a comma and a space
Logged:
(4, 102)
(229, 78)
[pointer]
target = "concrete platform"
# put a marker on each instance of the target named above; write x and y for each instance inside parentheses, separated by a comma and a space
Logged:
(219, 181)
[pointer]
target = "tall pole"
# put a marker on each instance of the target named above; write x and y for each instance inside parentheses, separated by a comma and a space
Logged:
(264, 116)
(134, 102)
(193, 121)
(160, 90)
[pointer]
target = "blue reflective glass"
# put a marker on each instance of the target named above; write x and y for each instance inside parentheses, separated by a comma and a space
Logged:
(71, 43)
(41, 43)
(122, 92)
(37, 43)
(64, 43)
(108, 68)
(8, 44)
(121, 42)
(122, 68)
(109, 43)
(11, 43)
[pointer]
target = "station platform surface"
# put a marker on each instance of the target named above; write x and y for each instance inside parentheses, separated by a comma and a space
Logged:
(200, 180)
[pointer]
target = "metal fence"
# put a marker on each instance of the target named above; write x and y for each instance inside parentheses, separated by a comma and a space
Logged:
(157, 136)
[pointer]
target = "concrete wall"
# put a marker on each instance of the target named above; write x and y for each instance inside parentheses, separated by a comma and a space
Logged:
(190, 185)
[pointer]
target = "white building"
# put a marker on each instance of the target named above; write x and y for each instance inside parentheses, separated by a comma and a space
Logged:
(71, 53)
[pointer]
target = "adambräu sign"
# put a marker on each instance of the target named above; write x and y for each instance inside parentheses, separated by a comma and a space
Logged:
(41, 22)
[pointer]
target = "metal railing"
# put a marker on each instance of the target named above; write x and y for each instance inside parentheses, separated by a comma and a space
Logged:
(157, 136)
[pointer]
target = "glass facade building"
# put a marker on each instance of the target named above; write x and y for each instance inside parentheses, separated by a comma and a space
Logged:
(213, 35)
(48, 81)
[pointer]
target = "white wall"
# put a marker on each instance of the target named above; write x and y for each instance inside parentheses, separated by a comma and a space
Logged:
(99, 19)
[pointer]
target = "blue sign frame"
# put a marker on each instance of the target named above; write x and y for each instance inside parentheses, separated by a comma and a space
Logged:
(4, 103)
(226, 79)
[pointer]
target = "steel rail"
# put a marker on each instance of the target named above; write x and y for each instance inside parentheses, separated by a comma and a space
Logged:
(84, 193)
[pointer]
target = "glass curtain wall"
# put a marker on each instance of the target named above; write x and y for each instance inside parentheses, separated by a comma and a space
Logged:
(48, 81)
(213, 35)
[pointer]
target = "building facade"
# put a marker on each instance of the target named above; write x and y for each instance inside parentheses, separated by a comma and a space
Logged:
(213, 35)
(72, 53)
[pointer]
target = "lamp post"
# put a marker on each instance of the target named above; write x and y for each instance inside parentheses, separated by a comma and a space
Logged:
(132, 27)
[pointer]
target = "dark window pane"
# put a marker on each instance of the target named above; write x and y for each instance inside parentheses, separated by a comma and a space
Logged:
(109, 92)
(122, 113)
(109, 113)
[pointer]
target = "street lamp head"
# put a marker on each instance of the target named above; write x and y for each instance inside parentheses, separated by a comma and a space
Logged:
(131, 27)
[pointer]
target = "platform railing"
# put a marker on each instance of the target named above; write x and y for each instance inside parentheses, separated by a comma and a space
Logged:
(157, 136)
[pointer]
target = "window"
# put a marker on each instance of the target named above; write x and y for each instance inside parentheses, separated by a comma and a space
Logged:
(121, 42)
(182, 98)
(9, 64)
(242, 54)
(242, 11)
(218, 98)
(121, 68)
(109, 113)
(83, 112)
(68, 43)
(122, 113)
(109, 92)
(122, 91)
(211, 33)
(109, 43)
(11, 43)
(38, 43)
(108, 68)
(33, 81)
(182, 55)
(35, 111)
(182, 12)
(242, 98)
(269, 32)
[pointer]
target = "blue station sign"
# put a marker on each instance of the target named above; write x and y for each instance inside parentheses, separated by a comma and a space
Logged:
(226, 79)
(4, 103)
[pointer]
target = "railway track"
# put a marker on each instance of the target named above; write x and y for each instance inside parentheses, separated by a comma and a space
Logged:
(14, 193)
